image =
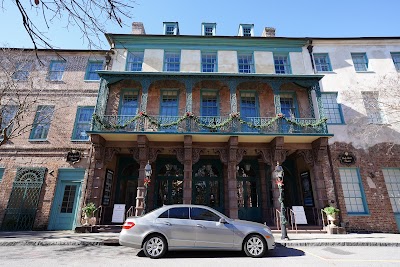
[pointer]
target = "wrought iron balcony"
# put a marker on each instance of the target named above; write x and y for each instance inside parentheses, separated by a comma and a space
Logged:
(188, 123)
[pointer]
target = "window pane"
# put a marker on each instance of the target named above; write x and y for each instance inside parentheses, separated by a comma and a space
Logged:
(332, 109)
(135, 61)
(82, 123)
(352, 190)
(56, 70)
(209, 62)
(41, 124)
(282, 65)
(322, 62)
(172, 61)
(373, 107)
(91, 73)
(203, 214)
(179, 213)
(245, 63)
(209, 104)
(360, 62)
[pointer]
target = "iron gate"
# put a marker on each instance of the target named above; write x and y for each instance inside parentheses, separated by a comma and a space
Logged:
(22, 205)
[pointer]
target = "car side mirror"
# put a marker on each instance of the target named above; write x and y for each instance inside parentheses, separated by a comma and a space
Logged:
(222, 220)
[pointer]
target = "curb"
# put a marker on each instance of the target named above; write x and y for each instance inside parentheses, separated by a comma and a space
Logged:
(52, 243)
(338, 244)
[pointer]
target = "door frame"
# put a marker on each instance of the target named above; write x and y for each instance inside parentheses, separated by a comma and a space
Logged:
(66, 175)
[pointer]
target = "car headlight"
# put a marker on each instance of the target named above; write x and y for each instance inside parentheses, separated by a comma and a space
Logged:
(268, 230)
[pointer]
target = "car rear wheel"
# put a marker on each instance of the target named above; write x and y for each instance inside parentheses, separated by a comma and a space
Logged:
(155, 246)
(255, 246)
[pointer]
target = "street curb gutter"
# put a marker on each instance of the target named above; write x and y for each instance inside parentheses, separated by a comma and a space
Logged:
(338, 244)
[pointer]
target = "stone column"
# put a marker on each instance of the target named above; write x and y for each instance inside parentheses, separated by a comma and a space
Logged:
(188, 170)
(319, 153)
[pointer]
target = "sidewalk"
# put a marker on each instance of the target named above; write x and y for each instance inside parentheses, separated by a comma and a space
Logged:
(47, 238)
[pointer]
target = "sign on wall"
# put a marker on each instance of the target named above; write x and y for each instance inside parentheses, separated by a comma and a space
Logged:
(299, 215)
(118, 215)
(74, 156)
(307, 189)
(108, 182)
(347, 158)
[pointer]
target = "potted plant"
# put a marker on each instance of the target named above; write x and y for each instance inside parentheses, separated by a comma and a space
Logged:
(331, 213)
(88, 212)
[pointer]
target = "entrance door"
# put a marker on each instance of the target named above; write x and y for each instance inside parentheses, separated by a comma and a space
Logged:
(248, 193)
(207, 184)
(66, 201)
(169, 184)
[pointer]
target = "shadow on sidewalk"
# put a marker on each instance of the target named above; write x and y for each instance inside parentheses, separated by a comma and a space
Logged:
(279, 251)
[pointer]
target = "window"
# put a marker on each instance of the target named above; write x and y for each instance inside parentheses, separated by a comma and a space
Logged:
(41, 124)
(360, 61)
(282, 64)
(22, 71)
(1, 173)
(373, 107)
(203, 215)
(7, 114)
(246, 30)
(172, 61)
(246, 63)
(179, 213)
(392, 180)
(82, 123)
(396, 60)
(288, 105)
(169, 103)
(164, 214)
(322, 62)
(209, 62)
(129, 103)
(92, 67)
(135, 61)
(209, 103)
(249, 110)
(353, 191)
(171, 28)
(333, 110)
(208, 29)
(56, 70)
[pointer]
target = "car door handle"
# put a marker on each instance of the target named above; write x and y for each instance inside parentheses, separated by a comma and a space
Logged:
(199, 225)
(167, 223)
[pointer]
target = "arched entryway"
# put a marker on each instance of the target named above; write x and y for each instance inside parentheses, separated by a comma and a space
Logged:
(207, 186)
(128, 173)
(169, 182)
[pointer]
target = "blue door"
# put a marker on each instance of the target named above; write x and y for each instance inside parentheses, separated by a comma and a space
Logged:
(169, 110)
(66, 201)
(249, 111)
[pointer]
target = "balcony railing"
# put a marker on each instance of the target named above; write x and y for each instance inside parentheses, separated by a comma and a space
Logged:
(209, 124)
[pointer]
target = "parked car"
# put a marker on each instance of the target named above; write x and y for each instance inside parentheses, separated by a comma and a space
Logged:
(194, 227)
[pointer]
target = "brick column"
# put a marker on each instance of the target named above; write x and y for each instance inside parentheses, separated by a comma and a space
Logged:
(232, 183)
(143, 158)
(188, 170)
(97, 171)
(264, 191)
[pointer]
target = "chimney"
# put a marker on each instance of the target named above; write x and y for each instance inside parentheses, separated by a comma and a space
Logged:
(268, 32)
(138, 28)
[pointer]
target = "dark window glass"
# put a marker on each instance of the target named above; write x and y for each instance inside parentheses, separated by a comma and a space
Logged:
(179, 213)
(164, 214)
(203, 214)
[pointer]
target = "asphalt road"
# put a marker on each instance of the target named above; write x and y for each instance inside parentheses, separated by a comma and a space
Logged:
(42, 256)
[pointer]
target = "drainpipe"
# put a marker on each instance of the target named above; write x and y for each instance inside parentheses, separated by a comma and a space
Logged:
(310, 51)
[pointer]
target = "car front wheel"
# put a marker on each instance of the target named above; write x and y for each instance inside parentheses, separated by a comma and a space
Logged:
(255, 246)
(155, 246)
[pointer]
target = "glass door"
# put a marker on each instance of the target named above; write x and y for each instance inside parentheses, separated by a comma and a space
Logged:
(248, 193)
(169, 184)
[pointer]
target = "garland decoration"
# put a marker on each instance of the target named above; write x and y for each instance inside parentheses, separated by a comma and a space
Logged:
(211, 125)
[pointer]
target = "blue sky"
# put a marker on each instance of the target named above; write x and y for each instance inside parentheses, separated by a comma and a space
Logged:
(291, 18)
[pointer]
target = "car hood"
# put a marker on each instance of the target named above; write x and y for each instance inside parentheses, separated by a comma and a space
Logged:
(248, 223)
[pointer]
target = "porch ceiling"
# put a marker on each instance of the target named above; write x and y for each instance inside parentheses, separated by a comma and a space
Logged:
(210, 138)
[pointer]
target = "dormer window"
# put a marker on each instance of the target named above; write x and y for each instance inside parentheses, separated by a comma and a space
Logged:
(246, 30)
(208, 29)
(171, 28)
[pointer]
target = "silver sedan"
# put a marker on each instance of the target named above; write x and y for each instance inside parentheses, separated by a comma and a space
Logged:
(194, 227)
